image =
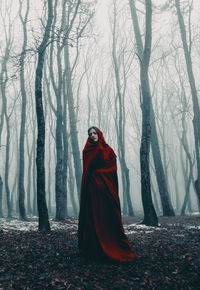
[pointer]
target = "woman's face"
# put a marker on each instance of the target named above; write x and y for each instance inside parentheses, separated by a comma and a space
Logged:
(93, 135)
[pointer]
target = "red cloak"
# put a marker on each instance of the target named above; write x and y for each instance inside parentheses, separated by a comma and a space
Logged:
(100, 231)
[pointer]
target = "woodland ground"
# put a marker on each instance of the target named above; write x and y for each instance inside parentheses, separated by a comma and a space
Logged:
(168, 257)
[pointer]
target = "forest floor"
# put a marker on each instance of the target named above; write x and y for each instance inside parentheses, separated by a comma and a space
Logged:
(168, 257)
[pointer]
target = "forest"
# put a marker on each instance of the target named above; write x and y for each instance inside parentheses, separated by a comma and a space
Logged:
(130, 68)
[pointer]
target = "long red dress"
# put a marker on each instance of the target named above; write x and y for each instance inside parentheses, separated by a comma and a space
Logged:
(100, 231)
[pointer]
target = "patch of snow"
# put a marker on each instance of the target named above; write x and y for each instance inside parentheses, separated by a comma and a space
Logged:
(130, 232)
(19, 225)
(193, 227)
(195, 213)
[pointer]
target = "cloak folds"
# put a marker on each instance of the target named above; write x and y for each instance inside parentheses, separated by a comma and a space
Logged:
(100, 231)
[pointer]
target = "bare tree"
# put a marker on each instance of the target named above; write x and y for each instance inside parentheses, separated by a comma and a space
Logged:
(44, 225)
(71, 184)
(160, 176)
(73, 11)
(61, 194)
(1, 189)
(196, 110)
(22, 211)
(150, 217)
(29, 173)
(120, 121)
(4, 81)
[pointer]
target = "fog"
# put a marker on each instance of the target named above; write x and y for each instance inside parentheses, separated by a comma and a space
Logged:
(91, 76)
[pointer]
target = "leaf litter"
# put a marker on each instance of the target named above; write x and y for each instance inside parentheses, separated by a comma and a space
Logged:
(168, 257)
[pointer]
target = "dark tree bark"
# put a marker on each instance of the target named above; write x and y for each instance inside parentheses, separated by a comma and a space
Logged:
(196, 110)
(60, 183)
(21, 190)
(1, 190)
(49, 179)
(65, 148)
(9, 207)
(35, 211)
(150, 217)
(160, 176)
(29, 177)
(44, 225)
(60, 205)
(29, 189)
(1, 121)
(4, 78)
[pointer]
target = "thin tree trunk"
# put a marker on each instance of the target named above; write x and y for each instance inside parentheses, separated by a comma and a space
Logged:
(4, 79)
(1, 200)
(150, 217)
(160, 176)
(196, 110)
(21, 190)
(30, 155)
(155, 198)
(120, 127)
(187, 194)
(35, 211)
(71, 186)
(59, 186)
(65, 149)
(73, 123)
(188, 179)
(4, 104)
(49, 178)
(44, 225)
(7, 168)
(184, 142)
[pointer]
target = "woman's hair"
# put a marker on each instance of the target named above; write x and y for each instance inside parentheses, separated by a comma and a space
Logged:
(93, 127)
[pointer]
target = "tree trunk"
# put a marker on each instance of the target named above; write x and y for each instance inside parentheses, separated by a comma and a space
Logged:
(155, 198)
(21, 190)
(59, 182)
(44, 225)
(120, 127)
(65, 150)
(60, 206)
(187, 194)
(60, 199)
(29, 208)
(160, 176)
(73, 124)
(4, 79)
(35, 212)
(1, 200)
(196, 110)
(71, 186)
(150, 217)
(7, 168)
(49, 178)
(4, 104)
(188, 179)
(30, 157)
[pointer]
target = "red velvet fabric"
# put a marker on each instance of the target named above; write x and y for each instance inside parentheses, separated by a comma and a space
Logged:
(100, 231)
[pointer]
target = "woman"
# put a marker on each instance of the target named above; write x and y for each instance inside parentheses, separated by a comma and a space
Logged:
(100, 232)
